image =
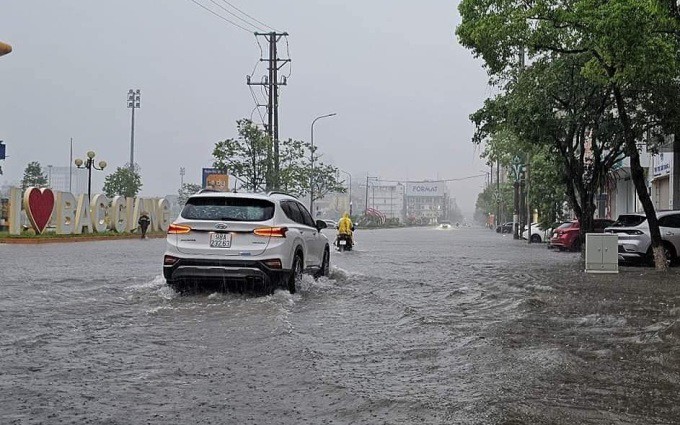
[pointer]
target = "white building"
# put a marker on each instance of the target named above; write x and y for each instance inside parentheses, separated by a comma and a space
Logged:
(67, 179)
(388, 198)
(426, 201)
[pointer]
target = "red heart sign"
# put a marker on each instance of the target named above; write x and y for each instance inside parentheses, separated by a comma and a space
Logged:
(38, 204)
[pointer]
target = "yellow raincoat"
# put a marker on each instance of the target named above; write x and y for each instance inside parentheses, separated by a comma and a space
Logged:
(345, 225)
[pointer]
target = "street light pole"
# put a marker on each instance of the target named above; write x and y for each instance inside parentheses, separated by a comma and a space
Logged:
(311, 174)
(89, 164)
(134, 98)
(350, 189)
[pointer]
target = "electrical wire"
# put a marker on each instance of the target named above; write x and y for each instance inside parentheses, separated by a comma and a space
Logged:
(257, 28)
(257, 105)
(289, 63)
(433, 181)
(220, 16)
(256, 20)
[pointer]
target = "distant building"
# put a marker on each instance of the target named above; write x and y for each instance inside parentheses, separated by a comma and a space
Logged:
(426, 202)
(388, 198)
(67, 179)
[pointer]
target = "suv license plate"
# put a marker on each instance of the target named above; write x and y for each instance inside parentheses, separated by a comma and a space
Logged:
(220, 240)
(343, 242)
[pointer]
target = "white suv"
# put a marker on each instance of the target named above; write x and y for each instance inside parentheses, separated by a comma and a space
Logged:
(259, 241)
(634, 238)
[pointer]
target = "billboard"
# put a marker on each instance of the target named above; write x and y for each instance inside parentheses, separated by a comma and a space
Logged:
(215, 179)
(436, 189)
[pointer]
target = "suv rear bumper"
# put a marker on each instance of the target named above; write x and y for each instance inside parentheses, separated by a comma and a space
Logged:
(225, 270)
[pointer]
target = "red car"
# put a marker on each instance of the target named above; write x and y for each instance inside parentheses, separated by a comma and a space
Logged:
(567, 236)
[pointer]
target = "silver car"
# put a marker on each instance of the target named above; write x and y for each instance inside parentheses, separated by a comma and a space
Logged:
(635, 241)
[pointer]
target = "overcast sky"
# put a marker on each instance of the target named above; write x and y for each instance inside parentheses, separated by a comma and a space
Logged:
(393, 71)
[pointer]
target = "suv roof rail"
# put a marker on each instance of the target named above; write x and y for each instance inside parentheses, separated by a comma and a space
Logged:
(208, 190)
(278, 192)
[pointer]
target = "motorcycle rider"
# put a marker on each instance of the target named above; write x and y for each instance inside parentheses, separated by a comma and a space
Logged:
(346, 227)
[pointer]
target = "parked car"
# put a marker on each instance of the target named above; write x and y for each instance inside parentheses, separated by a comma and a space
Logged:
(538, 234)
(567, 236)
(260, 240)
(332, 224)
(504, 228)
(635, 241)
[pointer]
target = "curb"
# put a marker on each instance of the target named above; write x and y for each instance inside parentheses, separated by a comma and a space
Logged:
(37, 241)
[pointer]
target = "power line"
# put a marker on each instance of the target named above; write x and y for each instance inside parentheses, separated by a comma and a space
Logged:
(433, 181)
(257, 28)
(258, 21)
(221, 17)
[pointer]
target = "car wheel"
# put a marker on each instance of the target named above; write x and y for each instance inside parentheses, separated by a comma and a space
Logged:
(296, 276)
(535, 239)
(325, 269)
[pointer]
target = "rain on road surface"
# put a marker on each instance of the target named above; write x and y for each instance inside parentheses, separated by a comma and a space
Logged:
(417, 325)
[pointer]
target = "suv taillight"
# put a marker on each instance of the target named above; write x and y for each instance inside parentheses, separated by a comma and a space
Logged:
(274, 232)
(175, 229)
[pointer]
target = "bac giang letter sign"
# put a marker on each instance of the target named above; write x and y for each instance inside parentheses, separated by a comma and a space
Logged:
(71, 215)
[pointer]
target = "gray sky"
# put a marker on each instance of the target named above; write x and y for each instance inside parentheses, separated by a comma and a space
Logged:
(393, 72)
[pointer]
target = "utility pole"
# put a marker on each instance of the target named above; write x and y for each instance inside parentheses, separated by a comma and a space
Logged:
(498, 193)
(70, 169)
(367, 178)
(134, 98)
(272, 83)
(182, 171)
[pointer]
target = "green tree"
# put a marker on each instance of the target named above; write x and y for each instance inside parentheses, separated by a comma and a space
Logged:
(33, 176)
(186, 191)
(122, 182)
(247, 157)
(629, 47)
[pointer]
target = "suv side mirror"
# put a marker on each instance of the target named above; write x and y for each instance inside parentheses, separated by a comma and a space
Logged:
(320, 224)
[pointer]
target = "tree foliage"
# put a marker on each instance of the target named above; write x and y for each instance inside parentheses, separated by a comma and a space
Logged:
(186, 191)
(33, 176)
(249, 158)
(122, 182)
(623, 57)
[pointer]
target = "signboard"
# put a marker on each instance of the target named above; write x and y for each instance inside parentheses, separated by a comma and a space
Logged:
(2, 150)
(215, 179)
(662, 164)
(436, 189)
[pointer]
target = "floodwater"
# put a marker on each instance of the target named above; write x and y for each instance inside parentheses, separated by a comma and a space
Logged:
(417, 325)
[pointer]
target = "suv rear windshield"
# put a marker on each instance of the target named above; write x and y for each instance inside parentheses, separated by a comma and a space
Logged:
(228, 209)
(631, 220)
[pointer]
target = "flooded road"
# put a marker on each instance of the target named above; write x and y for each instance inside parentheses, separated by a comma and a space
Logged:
(415, 326)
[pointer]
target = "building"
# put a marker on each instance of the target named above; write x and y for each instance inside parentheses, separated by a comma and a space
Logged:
(426, 202)
(67, 179)
(388, 198)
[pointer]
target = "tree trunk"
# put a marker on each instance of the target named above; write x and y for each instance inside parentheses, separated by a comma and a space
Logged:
(638, 176)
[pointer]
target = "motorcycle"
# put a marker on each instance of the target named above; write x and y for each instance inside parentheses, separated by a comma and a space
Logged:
(344, 242)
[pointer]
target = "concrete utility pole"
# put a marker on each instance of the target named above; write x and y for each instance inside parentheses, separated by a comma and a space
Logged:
(134, 98)
(272, 84)
(182, 171)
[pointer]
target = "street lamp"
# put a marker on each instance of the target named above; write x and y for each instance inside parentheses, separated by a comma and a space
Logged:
(350, 189)
(311, 174)
(89, 164)
(133, 102)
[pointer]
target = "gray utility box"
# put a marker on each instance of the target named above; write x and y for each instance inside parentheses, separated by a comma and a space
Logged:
(602, 254)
